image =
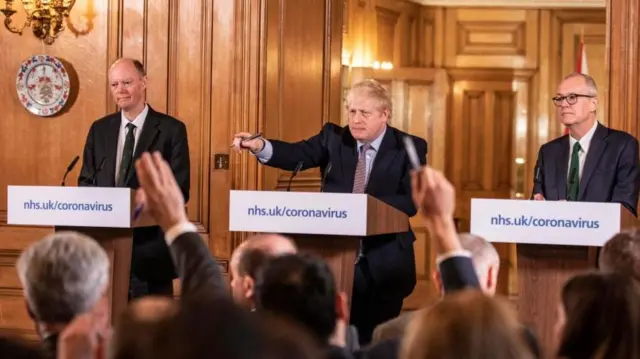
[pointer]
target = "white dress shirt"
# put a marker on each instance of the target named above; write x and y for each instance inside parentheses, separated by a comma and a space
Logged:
(585, 141)
(138, 122)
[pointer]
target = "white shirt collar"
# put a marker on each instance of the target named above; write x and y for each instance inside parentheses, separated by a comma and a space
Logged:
(585, 141)
(138, 121)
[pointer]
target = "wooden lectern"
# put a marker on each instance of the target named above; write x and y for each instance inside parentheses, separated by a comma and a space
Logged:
(554, 243)
(104, 214)
(330, 225)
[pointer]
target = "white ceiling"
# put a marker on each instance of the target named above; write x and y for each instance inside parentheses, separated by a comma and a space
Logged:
(517, 3)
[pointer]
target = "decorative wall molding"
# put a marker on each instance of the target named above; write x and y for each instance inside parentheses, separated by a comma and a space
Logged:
(548, 4)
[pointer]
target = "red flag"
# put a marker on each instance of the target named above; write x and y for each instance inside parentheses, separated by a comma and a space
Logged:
(581, 64)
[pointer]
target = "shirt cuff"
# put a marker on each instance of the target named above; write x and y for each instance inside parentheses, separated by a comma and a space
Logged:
(265, 154)
(454, 253)
(178, 230)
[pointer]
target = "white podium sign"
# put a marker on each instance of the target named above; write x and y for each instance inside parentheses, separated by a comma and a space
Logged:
(298, 212)
(545, 222)
(69, 206)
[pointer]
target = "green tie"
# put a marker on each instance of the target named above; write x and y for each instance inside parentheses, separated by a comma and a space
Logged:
(573, 184)
(127, 155)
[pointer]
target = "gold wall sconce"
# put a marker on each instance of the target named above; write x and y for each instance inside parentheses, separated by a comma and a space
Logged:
(45, 17)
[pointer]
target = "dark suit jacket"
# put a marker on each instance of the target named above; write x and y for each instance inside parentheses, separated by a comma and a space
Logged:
(151, 259)
(610, 172)
(390, 257)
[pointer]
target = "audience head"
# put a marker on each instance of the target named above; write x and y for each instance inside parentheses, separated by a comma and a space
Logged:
(486, 262)
(369, 108)
(250, 256)
(301, 287)
(621, 254)
(128, 83)
(63, 275)
(599, 317)
(467, 324)
(576, 100)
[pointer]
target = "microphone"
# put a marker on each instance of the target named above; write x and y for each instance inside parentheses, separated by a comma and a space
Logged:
(295, 172)
(95, 173)
(324, 176)
(69, 169)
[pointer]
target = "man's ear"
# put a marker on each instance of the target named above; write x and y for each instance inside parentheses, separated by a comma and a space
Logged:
(437, 281)
(342, 306)
(594, 104)
(248, 286)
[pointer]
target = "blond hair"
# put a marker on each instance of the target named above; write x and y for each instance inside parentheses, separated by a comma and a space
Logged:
(372, 89)
(466, 324)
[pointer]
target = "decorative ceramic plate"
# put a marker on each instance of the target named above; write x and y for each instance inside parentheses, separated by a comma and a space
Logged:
(43, 85)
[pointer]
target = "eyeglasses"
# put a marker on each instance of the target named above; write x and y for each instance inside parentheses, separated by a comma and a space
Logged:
(571, 98)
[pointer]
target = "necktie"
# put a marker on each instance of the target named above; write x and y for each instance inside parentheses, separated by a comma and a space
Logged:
(360, 182)
(360, 179)
(573, 183)
(127, 155)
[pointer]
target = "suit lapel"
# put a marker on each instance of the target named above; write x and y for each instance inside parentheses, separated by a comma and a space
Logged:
(562, 165)
(148, 136)
(113, 132)
(596, 149)
(349, 158)
(384, 158)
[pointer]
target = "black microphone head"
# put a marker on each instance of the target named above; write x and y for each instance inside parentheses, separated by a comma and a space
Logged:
(73, 163)
(327, 169)
(298, 167)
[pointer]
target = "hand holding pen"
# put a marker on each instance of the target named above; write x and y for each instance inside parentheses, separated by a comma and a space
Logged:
(245, 140)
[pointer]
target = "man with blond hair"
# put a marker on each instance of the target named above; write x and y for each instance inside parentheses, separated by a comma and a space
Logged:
(366, 156)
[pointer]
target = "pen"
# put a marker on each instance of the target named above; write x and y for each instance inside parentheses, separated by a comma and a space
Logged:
(137, 211)
(257, 135)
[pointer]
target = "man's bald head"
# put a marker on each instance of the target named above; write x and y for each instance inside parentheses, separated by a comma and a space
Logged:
(249, 257)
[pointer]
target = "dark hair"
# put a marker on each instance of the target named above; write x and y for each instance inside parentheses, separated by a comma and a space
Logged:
(15, 349)
(621, 254)
(603, 317)
(251, 260)
(300, 287)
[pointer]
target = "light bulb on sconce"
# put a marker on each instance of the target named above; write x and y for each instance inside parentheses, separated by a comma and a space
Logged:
(385, 65)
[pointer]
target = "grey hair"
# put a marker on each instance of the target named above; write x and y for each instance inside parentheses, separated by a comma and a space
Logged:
(588, 80)
(63, 275)
(483, 253)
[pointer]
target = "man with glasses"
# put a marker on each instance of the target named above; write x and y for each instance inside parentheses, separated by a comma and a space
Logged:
(592, 163)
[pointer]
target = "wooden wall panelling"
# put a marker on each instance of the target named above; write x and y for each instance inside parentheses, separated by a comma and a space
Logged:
(623, 65)
(566, 28)
(419, 97)
(302, 83)
(490, 38)
(486, 121)
(431, 38)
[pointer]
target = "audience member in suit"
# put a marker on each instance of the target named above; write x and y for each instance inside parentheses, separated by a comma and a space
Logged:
(621, 254)
(592, 163)
(466, 324)
(64, 275)
(599, 317)
(366, 156)
(113, 144)
(486, 263)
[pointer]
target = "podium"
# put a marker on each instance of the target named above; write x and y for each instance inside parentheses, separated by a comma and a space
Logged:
(104, 214)
(555, 241)
(330, 225)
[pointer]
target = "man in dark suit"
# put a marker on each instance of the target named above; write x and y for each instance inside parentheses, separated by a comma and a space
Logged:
(592, 163)
(114, 143)
(367, 156)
